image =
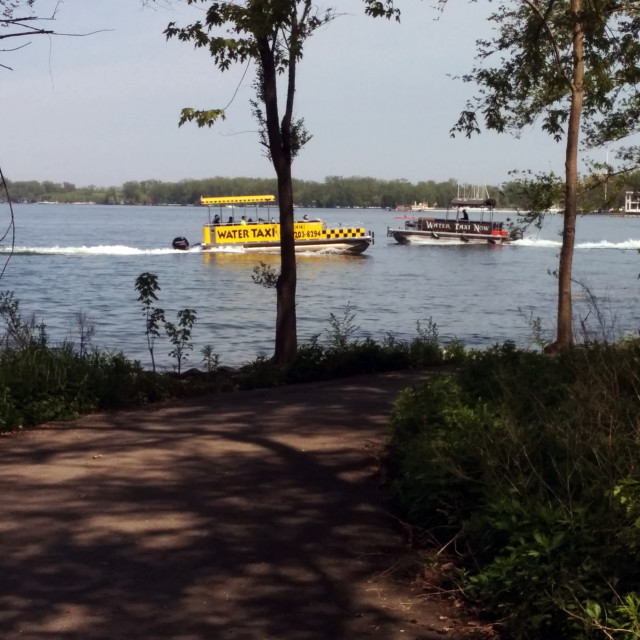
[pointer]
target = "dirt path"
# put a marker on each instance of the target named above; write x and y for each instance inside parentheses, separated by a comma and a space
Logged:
(246, 516)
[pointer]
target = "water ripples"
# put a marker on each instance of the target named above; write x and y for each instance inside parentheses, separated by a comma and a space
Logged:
(479, 294)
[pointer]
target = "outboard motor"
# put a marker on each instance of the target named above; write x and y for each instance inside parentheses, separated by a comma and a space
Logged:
(180, 243)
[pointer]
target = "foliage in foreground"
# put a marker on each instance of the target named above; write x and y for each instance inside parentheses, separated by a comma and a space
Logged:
(342, 355)
(40, 383)
(528, 468)
(179, 334)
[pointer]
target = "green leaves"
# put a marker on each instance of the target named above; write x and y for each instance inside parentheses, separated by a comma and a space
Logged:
(382, 9)
(147, 285)
(532, 72)
(530, 464)
(180, 335)
(265, 275)
(202, 117)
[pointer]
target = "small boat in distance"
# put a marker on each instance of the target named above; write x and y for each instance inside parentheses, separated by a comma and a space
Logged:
(262, 232)
(456, 227)
(416, 207)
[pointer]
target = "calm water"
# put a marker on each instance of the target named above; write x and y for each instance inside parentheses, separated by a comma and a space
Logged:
(78, 258)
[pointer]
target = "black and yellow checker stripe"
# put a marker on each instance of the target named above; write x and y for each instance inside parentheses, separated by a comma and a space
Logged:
(344, 233)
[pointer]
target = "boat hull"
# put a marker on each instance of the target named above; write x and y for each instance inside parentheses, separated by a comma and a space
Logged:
(264, 237)
(354, 247)
(427, 237)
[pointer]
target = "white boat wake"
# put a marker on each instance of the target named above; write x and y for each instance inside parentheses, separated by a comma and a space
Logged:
(604, 244)
(100, 250)
(624, 245)
(123, 250)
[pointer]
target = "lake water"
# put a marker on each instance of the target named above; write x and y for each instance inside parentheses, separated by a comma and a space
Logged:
(72, 259)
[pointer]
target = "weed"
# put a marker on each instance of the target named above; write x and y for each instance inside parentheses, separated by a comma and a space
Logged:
(86, 329)
(265, 275)
(538, 334)
(18, 333)
(342, 329)
(147, 286)
(180, 336)
(600, 322)
(210, 359)
(428, 333)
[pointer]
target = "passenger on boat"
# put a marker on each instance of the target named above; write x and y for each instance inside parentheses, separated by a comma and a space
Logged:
(216, 219)
(464, 214)
(243, 221)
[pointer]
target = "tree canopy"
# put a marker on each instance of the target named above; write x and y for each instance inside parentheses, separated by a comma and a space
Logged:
(573, 67)
(270, 35)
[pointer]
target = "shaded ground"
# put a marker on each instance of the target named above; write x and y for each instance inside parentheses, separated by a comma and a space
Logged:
(248, 516)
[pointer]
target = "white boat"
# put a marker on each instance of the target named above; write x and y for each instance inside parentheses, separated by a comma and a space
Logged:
(261, 233)
(417, 207)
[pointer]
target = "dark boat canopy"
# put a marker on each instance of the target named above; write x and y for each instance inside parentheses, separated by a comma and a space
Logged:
(487, 203)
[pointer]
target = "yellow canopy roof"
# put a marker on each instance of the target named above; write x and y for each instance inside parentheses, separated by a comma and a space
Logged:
(237, 199)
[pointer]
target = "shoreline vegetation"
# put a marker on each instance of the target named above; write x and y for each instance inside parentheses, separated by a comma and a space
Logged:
(518, 473)
(333, 192)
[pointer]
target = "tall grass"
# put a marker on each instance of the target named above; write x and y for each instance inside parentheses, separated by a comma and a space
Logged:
(342, 355)
(39, 384)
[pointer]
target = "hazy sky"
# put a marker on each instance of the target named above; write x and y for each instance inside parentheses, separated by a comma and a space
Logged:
(378, 98)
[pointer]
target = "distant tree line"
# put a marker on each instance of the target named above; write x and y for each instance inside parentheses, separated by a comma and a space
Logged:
(335, 191)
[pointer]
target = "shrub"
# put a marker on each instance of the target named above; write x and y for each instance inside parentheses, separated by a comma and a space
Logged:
(210, 359)
(260, 373)
(41, 384)
(530, 464)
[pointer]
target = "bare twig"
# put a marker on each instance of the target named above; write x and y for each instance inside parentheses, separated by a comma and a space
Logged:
(12, 226)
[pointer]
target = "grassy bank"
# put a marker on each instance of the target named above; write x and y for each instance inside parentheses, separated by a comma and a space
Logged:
(41, 383)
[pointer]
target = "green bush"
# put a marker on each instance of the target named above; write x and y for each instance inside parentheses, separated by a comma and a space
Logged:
(344, 356)
(261, 373)
(39, 384)
(530, 465)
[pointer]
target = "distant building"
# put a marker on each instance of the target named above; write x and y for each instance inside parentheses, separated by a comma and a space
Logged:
(632, 202)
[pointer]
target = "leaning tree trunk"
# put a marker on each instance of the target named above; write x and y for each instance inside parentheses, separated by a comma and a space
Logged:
(564, 336)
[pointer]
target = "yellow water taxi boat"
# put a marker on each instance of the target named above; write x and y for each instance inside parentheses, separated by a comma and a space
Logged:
(261, 233)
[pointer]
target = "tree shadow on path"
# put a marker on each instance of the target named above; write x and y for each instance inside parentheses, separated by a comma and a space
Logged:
(249, 516)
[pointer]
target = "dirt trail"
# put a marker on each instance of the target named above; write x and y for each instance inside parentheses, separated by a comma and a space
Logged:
(249, 516)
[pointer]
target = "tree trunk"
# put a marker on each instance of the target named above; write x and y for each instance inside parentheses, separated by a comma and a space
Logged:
(564, 336)
(279, 136)
(286, 322)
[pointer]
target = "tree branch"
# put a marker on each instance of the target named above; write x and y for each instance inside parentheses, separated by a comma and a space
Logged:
(556, 50)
